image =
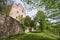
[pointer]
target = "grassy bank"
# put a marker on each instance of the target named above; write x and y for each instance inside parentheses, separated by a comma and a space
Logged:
(30, 36)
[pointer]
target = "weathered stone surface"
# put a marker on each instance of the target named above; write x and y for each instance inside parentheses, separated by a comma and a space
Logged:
(9, 26)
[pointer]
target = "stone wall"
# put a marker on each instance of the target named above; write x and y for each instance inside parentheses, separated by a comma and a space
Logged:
(9, 26)
(16, 11)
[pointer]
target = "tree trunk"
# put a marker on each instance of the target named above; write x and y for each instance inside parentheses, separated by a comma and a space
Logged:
(41, 26)
(30, 29)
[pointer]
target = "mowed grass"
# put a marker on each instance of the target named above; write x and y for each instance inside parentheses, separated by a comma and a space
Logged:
(30, 36)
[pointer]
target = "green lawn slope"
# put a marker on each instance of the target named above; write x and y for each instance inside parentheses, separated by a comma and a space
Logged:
(30, 36)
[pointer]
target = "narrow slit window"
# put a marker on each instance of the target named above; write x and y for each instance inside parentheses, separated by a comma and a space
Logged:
(17, 11)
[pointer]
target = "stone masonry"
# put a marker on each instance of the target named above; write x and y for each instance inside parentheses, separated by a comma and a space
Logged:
(9, 26)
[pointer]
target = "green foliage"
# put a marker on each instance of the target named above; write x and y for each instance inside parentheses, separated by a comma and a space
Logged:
(2, 4)
(51, 4)
(32, 24)
(21, 19)
(40, 18)
(27, 21)
(4, 8)
(28, 1)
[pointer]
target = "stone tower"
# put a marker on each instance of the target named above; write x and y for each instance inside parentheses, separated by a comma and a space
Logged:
(9, 25)
(17, 10)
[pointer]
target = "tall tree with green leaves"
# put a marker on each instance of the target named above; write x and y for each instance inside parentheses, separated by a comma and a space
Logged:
(40, 18)
(32, 25)
(27, 22)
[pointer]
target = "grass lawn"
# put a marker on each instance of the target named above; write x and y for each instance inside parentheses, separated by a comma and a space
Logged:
(30, 36)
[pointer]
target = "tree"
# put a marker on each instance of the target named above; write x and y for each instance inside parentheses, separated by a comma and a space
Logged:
(4, 8)
(40, 18)
(32, 25)
(27, 22)
(2, 2)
